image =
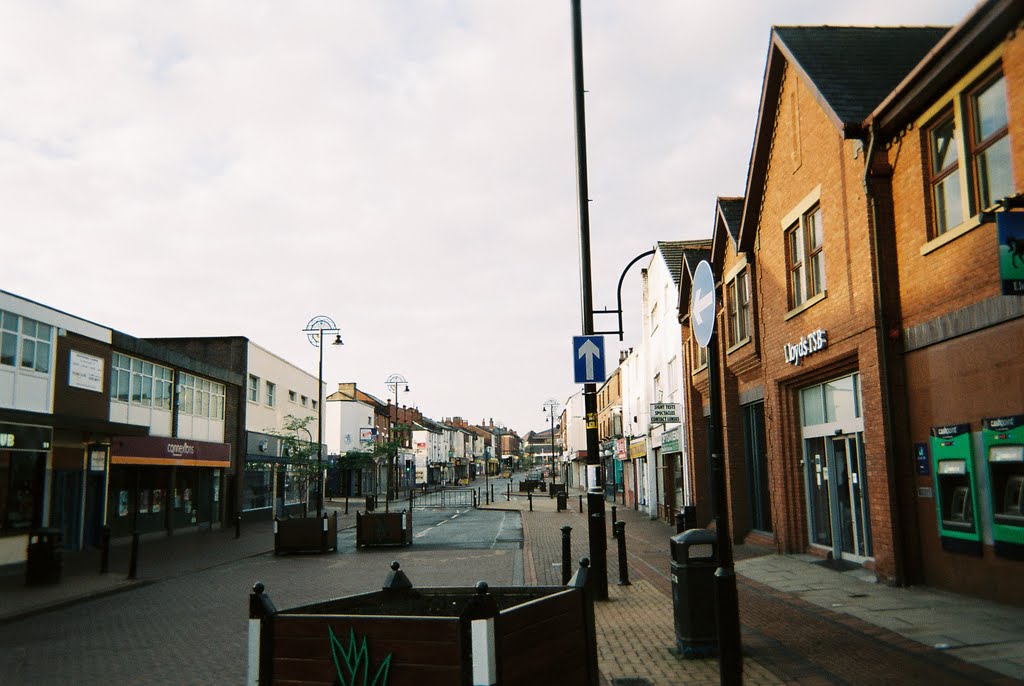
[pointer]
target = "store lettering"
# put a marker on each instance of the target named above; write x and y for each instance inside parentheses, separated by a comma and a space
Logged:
(181, 449)
(6, 440)
(813, 342)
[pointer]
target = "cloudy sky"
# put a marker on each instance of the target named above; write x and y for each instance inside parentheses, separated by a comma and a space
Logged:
(404, 167)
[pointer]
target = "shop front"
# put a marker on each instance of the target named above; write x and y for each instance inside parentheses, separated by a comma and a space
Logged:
(674, 473)
(273, 484)
(164, 484)
(635, 474)
(24, 451)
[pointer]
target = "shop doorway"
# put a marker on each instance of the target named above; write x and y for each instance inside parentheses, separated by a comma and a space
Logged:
(837, 495)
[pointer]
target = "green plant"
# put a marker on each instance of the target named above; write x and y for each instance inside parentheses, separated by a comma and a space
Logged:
(355, 660)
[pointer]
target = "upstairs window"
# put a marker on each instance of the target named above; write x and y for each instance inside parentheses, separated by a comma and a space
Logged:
(254, 389)
(738, 304)
(36, 338)
(968, 150)
(805, 260)
(271, 394)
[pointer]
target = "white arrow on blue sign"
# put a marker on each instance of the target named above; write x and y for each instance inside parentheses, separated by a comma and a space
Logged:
(702, 303)
(588, 358)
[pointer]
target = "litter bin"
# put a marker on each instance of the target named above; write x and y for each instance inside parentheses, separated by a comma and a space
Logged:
(371, 503)
(44, 559)
(560, 501)
(694, 561)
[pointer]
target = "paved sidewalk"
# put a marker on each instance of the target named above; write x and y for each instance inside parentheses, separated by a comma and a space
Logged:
(801, 621)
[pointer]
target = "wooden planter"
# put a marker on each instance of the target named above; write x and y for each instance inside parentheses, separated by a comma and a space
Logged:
(306, 534)
(401, 636)
(383, 528)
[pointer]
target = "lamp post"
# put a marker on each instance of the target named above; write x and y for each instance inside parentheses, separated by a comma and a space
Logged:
(394, 383)
(315, 330)
(550, 405)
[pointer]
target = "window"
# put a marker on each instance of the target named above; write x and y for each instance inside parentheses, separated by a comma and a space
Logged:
(804, 258)
(305, 401)
(960, 190)
(254, 389)
(314, 404)
(271, 394)
(990, 142)
(700, 355)
(292, 396)
(35, 344)
(738, 304)
(202, 397)
(140, 382)
(8, 338)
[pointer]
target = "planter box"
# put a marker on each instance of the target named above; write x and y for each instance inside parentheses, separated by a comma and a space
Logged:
(383, 528)
(520, 636)
(306, 534)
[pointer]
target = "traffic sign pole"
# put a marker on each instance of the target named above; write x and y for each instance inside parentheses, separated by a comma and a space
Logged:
(595, 493)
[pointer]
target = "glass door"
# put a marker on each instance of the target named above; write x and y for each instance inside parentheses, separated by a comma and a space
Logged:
(851, 496)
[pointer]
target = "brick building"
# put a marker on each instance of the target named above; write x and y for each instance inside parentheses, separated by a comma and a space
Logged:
(861, 313)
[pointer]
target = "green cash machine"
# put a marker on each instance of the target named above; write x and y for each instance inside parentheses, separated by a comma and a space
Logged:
(955, 489)
(1003, 438)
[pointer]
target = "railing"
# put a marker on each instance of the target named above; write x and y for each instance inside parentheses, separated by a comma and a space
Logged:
(446, 497)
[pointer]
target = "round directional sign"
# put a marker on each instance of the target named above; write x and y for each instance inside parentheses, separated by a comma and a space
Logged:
(702, 303)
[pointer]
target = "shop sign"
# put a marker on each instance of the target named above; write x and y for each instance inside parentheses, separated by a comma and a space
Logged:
(670, 442)
(97, 459)
(814, 342)
(1010, 227)
(169, 451)
(638, 449)
(665, 413)
(620, 448)
(85, 371)
(25, 437)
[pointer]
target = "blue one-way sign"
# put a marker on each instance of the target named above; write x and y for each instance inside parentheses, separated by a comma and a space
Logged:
(588, 358)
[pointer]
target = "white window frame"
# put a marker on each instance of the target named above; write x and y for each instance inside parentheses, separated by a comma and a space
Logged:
(253, 393)
(271, 394)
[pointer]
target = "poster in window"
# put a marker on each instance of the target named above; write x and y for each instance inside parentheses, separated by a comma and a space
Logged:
(158, 500)
(144, 502)
(122, 503)
(188, 499)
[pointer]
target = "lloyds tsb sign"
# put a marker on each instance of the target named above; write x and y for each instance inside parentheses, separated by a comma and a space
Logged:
(815, 341)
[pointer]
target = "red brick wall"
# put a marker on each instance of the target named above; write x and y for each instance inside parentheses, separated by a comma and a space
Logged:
(809, 152)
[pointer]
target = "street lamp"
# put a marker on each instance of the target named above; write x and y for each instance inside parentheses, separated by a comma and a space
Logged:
(550, 405)
(315, 330)
(394, 383)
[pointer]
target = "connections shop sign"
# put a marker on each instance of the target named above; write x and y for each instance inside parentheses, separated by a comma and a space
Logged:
(814, 342)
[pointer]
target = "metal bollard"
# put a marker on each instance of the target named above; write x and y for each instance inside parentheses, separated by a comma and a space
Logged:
(680, 522)
(104, 550)
(133, 561)
(530, 497)
(615, 518)
(346, 504)
(508, 493)
(581, 503)
(620, 533)
(566, 554)
(492, 493)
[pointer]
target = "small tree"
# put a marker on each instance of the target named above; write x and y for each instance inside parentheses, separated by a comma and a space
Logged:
(299, 447)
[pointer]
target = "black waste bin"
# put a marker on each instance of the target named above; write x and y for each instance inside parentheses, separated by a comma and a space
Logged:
(694, 561)
(560, 501)
(371, 503)
(44, 559)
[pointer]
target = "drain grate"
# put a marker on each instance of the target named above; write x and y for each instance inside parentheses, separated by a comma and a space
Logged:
(632, 681)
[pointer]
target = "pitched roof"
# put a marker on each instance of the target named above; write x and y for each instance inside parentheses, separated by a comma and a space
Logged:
(672, 254)
(853, 68)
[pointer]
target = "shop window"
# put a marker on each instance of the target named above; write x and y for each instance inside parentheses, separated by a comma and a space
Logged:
(271, 394)
(805, 260)
(833, 401)
(254, 389)
(21, 484)
(971, 173)
(738, 307)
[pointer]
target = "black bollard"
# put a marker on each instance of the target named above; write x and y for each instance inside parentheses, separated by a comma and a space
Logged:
(680, 522)
(530, 497)
(620, 533)
(133, 561)
(581, 503)
(566, 554)
(615, 518)
(508, 493)
(104, 550)
(492, 493)
(346, 504)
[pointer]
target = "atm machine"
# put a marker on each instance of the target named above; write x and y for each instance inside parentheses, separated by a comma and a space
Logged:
(955, 489)
(1003, 439)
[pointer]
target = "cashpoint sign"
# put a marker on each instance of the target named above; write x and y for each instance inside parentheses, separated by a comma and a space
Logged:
(921, 457)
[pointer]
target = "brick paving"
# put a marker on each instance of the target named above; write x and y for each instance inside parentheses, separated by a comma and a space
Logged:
(786, 639)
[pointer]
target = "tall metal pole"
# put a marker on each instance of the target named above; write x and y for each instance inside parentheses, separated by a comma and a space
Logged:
(320, 431)
(595, 492)
(730, 654)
